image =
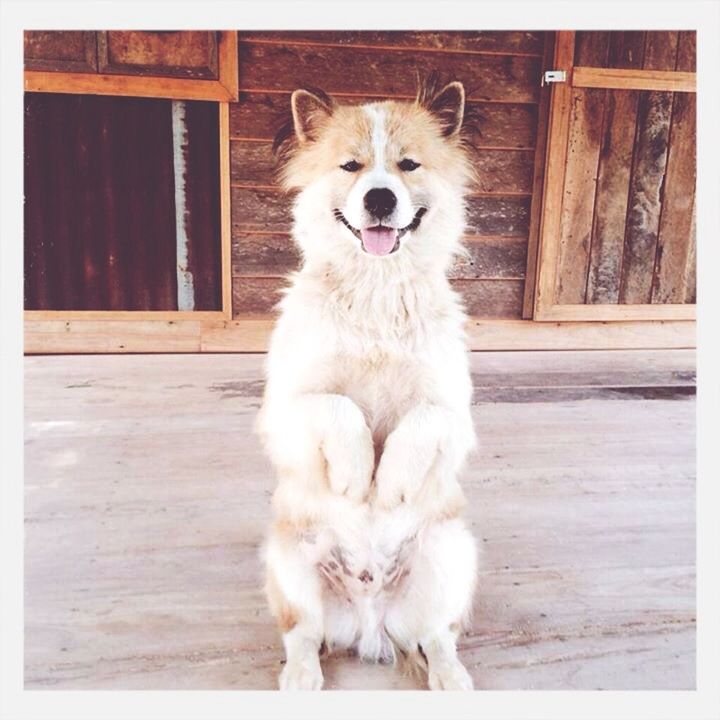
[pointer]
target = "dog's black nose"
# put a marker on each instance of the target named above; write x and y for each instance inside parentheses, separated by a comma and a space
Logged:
(380, 202)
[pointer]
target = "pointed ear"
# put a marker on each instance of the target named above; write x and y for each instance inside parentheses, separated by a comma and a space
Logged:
(309, 109)
(448, 105)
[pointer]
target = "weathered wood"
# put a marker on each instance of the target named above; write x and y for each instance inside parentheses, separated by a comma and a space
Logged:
(188, 54)
(275, 255)
(491, 298)
(624, 79)
(142, 562)
(678, 202)
(256, 295)
(499, 171)
(529, 43)
(538, 184)
(268, 210)
(691, 272)
(661, 50)
(591, 48)
(579, 195)
(616, 153)
(362, 71)
(686, 53)
(60, 51)
(644, 201)
(626, 49)
(258, 115)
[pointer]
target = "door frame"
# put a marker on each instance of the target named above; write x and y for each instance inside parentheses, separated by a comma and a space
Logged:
(546, 308)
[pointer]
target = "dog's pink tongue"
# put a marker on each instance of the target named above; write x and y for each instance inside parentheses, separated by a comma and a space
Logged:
(378, 240)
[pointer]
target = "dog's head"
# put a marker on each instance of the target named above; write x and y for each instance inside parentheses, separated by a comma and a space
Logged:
(384, 178)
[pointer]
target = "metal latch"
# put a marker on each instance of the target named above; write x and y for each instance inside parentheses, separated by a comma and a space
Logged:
(552, 76)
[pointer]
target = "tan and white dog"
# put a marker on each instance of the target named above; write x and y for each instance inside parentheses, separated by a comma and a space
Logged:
(366, 415)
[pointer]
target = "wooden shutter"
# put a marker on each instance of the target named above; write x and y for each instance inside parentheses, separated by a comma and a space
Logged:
(617, 239)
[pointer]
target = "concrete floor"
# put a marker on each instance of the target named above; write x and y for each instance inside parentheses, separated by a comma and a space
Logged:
(147, 498)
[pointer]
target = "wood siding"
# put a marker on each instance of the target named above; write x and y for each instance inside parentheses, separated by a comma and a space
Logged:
(627, 229)
(501, 72)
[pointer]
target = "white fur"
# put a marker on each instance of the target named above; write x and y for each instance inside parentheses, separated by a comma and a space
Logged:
(367, 421)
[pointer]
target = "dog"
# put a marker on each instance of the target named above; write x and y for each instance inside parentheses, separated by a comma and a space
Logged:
(366, 412)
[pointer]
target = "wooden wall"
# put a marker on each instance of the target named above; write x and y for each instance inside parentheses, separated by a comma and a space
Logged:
(628, 221)
(501, 72)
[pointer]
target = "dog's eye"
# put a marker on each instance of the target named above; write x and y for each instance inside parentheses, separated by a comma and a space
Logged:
(408, 165)
(351, 166)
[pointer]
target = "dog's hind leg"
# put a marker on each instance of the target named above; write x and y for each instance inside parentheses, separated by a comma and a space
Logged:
(427, 616)
(295, 599)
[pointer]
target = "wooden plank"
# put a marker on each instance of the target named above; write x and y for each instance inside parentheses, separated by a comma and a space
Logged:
(267, 210)
(538, 181)
(60, 51)
(266, 67)
(626, 49)
(491, 298)
(591, 47)
(258, 115)
(557, 147)
(275, 255)
(678, 201)
(186, 54)
(661, 50)
(644, 202)
(621, 79)
(499, 171)
(686, 54)
(225, 212)
(157, 87)
(579, 195)
(256, 295)
(483, 42)
(251, 334)
(609, 313)
(691, 272)
(616, 154)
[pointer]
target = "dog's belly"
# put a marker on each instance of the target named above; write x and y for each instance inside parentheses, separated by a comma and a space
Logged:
(361, 571)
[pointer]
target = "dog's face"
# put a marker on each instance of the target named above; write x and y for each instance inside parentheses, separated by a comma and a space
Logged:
(378, 178)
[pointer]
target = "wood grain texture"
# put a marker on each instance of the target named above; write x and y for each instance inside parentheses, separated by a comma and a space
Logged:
(686, 53)
(644, 201)
(579, 195)
(142, 565)
(60, 51)
(275, 255)
(258, 115)
(674, 238)
(661, 50)
(499, 171)
(625, 79)
(367, 71)
(591, 48)
(525, 43)
(482, 298)
(267, 210)
(188, 54)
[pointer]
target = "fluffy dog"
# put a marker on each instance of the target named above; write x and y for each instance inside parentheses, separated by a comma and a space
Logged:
(366, 415)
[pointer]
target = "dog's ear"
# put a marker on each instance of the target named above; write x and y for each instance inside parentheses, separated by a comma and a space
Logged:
(448, 105)
(310, 108)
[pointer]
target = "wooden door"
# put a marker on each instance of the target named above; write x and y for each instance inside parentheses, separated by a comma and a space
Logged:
(617, 239)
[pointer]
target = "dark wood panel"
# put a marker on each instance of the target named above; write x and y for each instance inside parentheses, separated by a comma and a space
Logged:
(661, 50)
(363, 71)
(678, 201)
(259, 115)
(190, 54)
(491, 298)
(591, 48)
(645, 201)
(60, 51)
(482, 298)
(626, 49)
(268, 210)
(686, 51)
(275, 255)
(499, 171)
(691, 273)
(579, 195)
(616, 153)
(475, 41)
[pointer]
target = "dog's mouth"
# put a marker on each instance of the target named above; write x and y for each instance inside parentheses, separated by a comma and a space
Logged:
(381, 239)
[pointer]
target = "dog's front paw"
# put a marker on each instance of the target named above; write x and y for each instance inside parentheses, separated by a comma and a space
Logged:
(301, 675)
(393, 487)
(350, 470)
(450, 675)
